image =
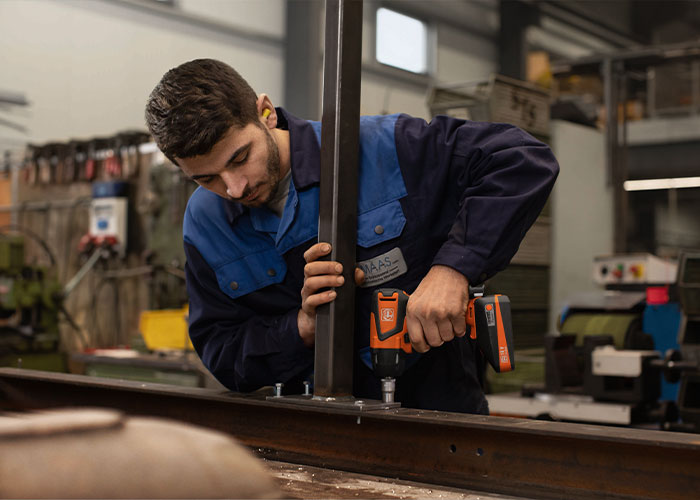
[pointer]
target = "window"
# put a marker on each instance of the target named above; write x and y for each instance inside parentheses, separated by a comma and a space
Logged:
(402, 41)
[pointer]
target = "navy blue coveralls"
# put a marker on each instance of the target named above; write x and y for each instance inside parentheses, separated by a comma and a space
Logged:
(452, 192)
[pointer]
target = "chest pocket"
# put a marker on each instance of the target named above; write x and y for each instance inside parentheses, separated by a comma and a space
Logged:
(251, 272)
(380, 224)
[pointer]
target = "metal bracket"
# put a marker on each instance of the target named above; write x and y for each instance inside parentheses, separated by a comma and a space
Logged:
(343, 402)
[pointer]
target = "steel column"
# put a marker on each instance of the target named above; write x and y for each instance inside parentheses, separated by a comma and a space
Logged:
(529, 458)
(612, 71)
(515, 18)
(335, 323)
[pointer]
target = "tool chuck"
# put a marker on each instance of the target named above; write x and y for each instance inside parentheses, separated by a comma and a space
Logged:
(388, 389)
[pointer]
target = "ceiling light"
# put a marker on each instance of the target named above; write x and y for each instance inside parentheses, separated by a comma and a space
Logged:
(671, 183)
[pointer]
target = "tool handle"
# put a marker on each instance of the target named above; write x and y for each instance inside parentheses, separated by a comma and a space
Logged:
(389, 312)
(490, 323)
(389, 342)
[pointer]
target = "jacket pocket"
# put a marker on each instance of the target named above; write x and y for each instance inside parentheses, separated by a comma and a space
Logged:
(250, 273)
(380, 224)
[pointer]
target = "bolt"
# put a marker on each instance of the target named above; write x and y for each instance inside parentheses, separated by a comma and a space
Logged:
(278, 389)
(307, 388)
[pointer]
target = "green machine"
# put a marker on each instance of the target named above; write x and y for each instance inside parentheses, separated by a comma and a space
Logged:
(30, 300)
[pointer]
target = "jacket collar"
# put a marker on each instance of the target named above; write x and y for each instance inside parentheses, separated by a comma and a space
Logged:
(305, 158)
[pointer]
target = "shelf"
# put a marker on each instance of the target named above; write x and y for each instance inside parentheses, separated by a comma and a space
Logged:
(663, 130)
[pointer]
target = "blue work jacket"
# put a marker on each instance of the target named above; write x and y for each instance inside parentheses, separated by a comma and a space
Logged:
(451, 192)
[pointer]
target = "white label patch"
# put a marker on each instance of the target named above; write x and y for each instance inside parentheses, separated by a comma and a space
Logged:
(490, 318)
(383, 268)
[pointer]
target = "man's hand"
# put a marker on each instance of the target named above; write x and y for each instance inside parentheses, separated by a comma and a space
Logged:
(436, 312)
(319, 275)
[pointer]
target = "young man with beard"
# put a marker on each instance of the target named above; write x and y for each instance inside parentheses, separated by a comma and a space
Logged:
(440, 205)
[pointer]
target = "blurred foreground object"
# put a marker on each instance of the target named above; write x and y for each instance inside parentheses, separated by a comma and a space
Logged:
(95, 453)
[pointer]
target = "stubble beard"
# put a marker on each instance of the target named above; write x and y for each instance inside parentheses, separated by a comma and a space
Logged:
(272, 178)
(273, 167)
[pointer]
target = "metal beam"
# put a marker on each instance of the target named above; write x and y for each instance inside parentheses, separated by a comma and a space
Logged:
(636, 59)
(530, 458)
(515, 18)
(335, 325)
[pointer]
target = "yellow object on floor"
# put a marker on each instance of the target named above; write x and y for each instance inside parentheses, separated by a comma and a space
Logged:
(165, 329)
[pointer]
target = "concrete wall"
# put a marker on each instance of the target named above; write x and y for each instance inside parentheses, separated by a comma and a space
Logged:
(582, 208)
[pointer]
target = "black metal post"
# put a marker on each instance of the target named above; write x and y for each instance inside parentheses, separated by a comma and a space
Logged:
(612, 79)
(335, 323)
(516, 17)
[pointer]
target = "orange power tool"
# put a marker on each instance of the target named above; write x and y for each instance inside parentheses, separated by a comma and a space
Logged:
(488, 318)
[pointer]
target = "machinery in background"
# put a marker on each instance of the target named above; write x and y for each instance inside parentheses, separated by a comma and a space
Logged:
(633, 269)
(613, 348)
(30, 301)
(689, 340)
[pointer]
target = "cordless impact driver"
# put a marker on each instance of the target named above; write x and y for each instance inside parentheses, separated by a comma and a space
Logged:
(488, 318)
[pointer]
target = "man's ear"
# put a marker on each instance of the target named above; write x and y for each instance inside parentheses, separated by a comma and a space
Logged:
(266, 111)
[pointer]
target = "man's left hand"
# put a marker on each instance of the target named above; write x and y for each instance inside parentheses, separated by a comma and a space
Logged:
(436, 312)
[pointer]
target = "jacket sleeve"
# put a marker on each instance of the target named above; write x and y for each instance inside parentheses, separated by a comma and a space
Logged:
(243, 349)
(498, 176)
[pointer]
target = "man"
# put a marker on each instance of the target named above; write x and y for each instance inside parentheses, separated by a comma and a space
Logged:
(440, 205)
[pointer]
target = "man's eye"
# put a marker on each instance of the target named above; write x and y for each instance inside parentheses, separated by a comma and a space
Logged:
(205, 180)
(241, 158)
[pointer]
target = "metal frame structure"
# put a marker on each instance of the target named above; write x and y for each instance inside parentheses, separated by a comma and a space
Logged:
(335, 325)
(614, 70)
(527, 458)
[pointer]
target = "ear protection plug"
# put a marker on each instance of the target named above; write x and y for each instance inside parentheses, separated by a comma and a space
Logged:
(266, 112)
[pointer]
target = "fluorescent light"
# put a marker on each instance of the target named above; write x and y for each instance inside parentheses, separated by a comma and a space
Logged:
(672, 183)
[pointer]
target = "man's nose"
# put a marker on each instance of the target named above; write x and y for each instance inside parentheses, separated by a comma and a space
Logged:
(235, 184)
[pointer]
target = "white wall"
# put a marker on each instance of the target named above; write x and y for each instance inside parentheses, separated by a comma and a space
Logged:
(262, 16)
(462, 57)
(582, 208)
(88, 66)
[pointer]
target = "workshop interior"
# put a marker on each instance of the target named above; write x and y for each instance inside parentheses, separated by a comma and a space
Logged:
(590, 335)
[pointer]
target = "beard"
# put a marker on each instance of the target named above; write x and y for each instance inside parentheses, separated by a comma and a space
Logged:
(272, 177)
(273, 166)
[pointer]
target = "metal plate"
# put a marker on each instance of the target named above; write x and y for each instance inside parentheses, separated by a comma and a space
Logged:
(346, 403)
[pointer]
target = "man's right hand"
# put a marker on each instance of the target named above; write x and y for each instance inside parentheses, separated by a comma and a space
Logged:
(318, 275)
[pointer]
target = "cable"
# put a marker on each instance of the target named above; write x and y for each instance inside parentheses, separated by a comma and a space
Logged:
(71, 322)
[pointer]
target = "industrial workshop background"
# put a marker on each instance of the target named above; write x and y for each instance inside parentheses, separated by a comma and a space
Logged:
(92, 277)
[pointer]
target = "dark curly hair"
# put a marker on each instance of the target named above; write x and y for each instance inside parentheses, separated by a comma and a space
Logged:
(194, 105)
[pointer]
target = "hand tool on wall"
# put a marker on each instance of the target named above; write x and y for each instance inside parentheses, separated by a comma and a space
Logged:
(488, 318)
